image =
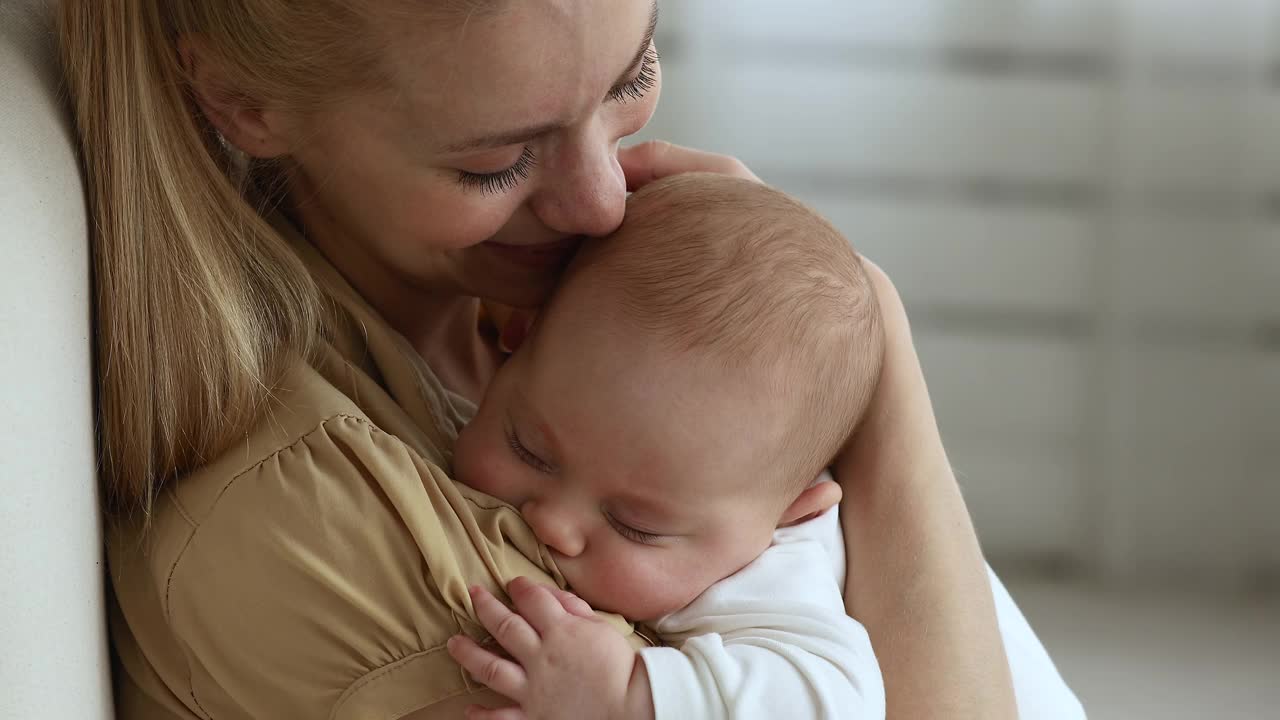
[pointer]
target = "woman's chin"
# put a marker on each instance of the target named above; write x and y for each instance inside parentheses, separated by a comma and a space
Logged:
(525, 289)
(522, 277)
(527, 297)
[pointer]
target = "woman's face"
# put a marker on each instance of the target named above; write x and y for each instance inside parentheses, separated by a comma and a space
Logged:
(494, 149)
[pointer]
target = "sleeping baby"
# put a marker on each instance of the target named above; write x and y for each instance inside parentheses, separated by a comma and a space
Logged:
(660, 430)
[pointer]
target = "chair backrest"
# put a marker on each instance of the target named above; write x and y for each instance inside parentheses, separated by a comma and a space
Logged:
(53, 644)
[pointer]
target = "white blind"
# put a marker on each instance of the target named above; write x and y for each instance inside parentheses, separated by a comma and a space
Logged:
(1080, 201)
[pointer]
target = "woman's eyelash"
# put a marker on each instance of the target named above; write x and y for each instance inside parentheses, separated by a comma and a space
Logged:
(526, 456)
(644, 82)
(633, 534)
(502, 180)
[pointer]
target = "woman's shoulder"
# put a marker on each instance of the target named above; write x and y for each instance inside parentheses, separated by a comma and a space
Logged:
(302, 404)
(312, 457)
(322, 417)
(305, 569)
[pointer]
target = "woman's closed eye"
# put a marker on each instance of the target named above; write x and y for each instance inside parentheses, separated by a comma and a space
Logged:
(501, 180)
(644, 81)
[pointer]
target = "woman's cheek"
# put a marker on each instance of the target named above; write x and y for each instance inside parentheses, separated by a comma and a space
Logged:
(464, 226)
(451, 216)
(640, 113)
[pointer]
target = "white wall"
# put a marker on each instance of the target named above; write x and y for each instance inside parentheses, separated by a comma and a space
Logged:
(1080, 200)
(53, 640)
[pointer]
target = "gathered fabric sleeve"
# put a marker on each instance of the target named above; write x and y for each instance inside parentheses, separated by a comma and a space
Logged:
(321, 582)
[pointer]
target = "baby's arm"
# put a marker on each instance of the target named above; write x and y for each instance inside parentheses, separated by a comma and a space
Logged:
(771, 641)
(567, 662)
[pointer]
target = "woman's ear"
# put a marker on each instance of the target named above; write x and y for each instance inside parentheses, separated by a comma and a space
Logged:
(257, 132)
(815, 500)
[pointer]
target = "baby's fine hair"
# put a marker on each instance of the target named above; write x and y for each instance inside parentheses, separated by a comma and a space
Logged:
(741, 271)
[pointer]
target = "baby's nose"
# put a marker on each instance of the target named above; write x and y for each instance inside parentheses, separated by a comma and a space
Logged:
(554, 528)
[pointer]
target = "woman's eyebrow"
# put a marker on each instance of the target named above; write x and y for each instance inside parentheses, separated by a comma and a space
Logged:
(502, 139)
(525, 134)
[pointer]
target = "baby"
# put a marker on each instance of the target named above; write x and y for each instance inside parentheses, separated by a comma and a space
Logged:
(660, 430)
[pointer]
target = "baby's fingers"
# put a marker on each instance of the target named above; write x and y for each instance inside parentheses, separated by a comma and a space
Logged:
(536, 604)
(509, 629)
(573, 604)
(500, 675)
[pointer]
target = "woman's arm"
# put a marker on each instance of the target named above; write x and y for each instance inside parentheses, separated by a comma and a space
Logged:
(916, 577)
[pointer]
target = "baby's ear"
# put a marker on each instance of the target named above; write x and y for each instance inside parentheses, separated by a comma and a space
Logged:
(815, 500)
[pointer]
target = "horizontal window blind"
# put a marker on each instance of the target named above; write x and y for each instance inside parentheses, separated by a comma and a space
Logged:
(1080, 202)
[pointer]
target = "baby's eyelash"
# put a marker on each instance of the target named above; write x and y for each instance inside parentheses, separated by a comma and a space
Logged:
(644, 82)
(526, 455)
(502, 180)
(633, 534)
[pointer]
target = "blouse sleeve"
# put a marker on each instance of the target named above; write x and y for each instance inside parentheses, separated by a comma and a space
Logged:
(324, 581)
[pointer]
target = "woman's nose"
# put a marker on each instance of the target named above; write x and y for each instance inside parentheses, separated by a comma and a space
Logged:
(554, 528)
(584, 191)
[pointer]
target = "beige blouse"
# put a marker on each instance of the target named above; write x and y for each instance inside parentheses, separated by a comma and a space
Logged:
(316, 569)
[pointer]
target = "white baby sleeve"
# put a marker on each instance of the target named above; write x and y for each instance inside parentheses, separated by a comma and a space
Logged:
(771, 641)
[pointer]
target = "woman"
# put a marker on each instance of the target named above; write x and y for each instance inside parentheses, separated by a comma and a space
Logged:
(299, 208)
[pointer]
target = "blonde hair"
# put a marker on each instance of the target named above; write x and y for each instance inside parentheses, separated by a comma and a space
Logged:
(753, 278)
(200, 302)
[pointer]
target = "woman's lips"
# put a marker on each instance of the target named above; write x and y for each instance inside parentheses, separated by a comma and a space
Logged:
(541, 256)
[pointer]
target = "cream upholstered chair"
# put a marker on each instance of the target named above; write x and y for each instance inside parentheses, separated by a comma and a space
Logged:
(53, 646)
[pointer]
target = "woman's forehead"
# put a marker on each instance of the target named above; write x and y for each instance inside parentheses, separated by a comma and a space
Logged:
(529, 64)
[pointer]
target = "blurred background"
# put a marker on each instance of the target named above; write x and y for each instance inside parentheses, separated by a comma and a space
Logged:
(1080, 202)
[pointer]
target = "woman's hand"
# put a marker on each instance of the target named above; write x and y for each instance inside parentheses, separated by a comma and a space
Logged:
(916, 577)
(567, 663)
(656, 159)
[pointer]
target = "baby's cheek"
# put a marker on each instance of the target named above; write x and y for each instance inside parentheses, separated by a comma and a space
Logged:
(642, 589)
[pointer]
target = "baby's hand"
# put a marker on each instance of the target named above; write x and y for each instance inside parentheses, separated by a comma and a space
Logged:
(568, 663)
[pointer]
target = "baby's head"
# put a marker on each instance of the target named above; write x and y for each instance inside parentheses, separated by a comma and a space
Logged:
(691, 377)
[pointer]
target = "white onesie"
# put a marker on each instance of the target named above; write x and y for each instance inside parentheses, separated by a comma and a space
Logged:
(773, 641)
